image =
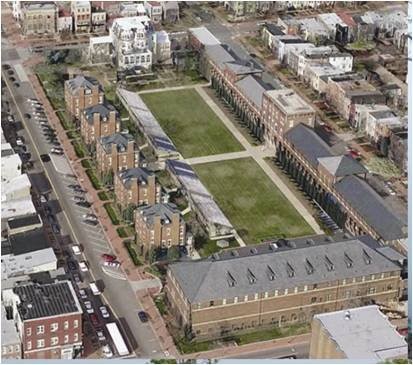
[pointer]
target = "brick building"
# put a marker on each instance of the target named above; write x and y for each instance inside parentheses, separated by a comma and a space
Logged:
(98, 20)
(282, 110)
(48, 318)
(116, 152)
(159, 226)
(136, 186)
(98, 121)
(39, 17)
(82, 92)
(279, 284)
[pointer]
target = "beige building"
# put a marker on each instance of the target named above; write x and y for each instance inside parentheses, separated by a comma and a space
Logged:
(159, 226)
(362, 333)
(82, 92)
(116, 152)
(278, 285)
(98, 121)
(282, 110)
(39, 17)
(82, 13)
(135, 187)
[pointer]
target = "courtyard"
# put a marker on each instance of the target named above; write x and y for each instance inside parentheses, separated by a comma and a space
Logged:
(191, 124)
(254, 205)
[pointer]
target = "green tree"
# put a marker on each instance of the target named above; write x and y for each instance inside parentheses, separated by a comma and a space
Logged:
(173, 253)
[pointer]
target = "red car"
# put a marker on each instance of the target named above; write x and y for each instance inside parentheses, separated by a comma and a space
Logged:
(108, 258)
(94, 319)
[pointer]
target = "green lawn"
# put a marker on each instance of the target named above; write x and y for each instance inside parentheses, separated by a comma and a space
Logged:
(192, 125)
(251, 201)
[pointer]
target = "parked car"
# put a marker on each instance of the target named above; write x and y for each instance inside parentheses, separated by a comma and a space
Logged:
(45, 158)
(104, 311)
(100, 335)
(78, 199)
(143, 316)
(90, 217)
(91, 223)
(83, 293)
(43, 199)
(88, 306)
(79, 190)
(83, 266)
(77, 278)
(107, 352)
(114, 264)
(84, 204)
(57, 151)
(71, 265)
(76, 249)
(94, 319)
(20, 141)
(108, 258)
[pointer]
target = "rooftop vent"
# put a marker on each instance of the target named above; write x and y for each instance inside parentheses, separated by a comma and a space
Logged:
(290, 270)
(271, 273)
(253, 251)
(309, 267)
(329, 263)
(347, 315)
(348, 260)
(251, 277)
(231, 280)
(366, 257)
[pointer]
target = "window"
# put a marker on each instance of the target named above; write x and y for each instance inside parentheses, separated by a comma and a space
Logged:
(75, 323)
(28, 331)
(305, 287)
(246, 298)
(66, 339)
(66, 325)
(4, 350)
(40, 343)
(313, 299)
(211, 303)
(224, 301)
(29, 345)
(372, 290)
(256, 296)
(76, 337)
(40, 330)
(54, 341)
(296, 290)
(236, 300)
(348, 294)
(285, 291)
(54, 327)
(389, 287)
(266, 294)
(276, 293)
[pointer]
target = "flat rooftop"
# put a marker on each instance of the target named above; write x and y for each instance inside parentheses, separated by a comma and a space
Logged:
(204, 36)
(364, 333)
(290, 102)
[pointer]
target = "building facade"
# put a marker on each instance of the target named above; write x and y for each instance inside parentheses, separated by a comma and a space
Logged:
(98, 20)
(116, 152)
(135, 187)
(48, 318)
(159, 226)
(154, 11)
(251, 289)
(170, 11)
(82, 92)
(39, 18)
(81, 12)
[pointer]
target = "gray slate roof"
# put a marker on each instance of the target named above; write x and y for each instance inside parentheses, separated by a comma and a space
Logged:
(218, 54)
(119, 139)
(364, 199)
(253, 89)
(308, 143)
(242, 68)
(39, 301)
(102, 109)
(138, 173)
(165, 211)
(209, 279)
(342, 165)
(81, 81)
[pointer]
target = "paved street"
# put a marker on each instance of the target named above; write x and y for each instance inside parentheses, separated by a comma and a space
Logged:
(142, 337)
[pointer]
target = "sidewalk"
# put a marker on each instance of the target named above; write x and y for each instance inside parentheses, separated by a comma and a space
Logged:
(251, 348)
(131, 271)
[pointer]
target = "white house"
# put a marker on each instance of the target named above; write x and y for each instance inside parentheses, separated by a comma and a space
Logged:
(154, 10)
(11, 163)
(161, 47)
(130, 38)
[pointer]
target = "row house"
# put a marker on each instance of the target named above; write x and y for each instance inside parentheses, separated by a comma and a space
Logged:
(170, 11)
(64, 21)
(284, 45)
(98, 121)
(48, 318)
(132, 9)
(317, 76)
(82, 92)
(154, 11)
(282, 110)
(269, 33)
(362, 111)
(82, 13)
(116, 152)
(344, 92)
(130, 40)
(398, 147)
(11, 348)
(380, 123)
(39, 17)
(135, 187)
(98, 20)
(276, 285)
(159, 226)
(338, 184)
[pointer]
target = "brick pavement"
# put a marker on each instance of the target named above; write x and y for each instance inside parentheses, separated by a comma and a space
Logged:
(110, 232)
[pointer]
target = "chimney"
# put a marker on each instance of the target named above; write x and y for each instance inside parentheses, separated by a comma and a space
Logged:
(347, 315)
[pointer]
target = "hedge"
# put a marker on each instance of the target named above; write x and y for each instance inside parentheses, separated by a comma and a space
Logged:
(94, 179)
(132, 253)
(112, 214)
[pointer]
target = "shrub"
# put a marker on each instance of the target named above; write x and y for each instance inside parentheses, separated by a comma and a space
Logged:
(94, 179)
(112, 214)
(132, 253)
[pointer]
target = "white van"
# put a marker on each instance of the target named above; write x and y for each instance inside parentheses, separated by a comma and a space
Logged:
(94, 288)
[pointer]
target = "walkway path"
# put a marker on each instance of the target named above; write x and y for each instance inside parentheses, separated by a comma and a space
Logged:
(258, 154)
(172, 88)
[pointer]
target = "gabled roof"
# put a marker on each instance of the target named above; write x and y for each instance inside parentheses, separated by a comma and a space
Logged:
(139, 174)
(364, 199)
(121, 141)
(164, 211)
(212, 279)
(308, 143)
(253, 88)
(218, 54)
(342, 165)
(242, 68)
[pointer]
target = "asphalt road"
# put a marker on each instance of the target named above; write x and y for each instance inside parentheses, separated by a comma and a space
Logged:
(300, 351)
(142, 338)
